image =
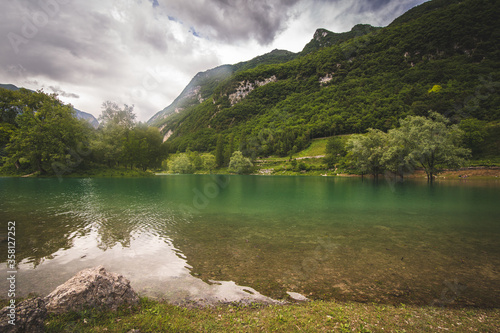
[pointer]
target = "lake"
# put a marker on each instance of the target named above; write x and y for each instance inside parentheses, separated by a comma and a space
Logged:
(226, 238)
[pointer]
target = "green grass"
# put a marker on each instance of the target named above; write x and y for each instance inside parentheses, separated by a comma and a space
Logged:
(316, 316)
(316, 148)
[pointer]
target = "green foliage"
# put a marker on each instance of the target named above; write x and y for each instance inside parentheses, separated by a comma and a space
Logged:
(219, 152)
(436, 88)
(431, 143)
(335, 151)
(209, 163)
(113, 115)
(120, 141)
(373, 79)
(366, 151)
(46, 135)
(38, 133)
(474, 134)
(181, 164)
(143, 147)
(240, 164)
(324, 38)
(424, 142)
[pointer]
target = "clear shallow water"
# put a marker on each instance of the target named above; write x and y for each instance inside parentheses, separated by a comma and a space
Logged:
(326, 238)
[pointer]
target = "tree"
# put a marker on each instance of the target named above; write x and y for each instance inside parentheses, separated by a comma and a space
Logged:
(366, 151)
(219, 152)
(195, 159)
(240, 164)
(113, 134)
(10, 105)
(229, 150)
(48, 132)
(180, 164)
(474, 133)
(112, 114)
(396, 157)
(431, 143)
(143, 147)
(208, 162)
(335, 151)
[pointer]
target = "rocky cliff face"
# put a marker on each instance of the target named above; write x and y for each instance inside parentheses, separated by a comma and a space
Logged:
(246, 87)
(200, 88)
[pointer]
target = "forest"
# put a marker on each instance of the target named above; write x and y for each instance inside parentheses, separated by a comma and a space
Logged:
(41, 135)
(439, 56)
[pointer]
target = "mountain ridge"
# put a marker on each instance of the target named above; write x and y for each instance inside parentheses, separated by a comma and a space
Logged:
(366, 81)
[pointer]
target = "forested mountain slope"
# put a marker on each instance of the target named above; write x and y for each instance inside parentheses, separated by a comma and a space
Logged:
(441, 56)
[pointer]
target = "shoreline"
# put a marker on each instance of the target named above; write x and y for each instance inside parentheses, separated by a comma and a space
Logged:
(157, 316)
(463, 174)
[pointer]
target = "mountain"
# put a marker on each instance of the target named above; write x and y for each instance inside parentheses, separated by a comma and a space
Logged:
(441, 56)
(79, 114)
(324, 38)
(88, 117)
(203, 84)
(8, 86)
(193, 94)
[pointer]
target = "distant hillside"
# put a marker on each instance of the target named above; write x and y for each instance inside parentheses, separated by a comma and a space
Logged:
(203, 84)
(79, 114)
(441, 55)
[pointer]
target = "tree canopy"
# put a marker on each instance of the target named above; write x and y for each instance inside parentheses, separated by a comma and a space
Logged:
(39, 133)
(427, 142)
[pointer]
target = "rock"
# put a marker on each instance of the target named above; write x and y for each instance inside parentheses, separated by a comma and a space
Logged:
(29, 317)
(297, 297)
(92, 288)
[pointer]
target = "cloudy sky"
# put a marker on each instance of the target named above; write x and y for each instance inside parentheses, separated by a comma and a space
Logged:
(144, 52)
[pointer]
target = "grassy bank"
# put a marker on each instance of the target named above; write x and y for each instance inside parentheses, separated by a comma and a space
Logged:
(95, 172)
(316, 316)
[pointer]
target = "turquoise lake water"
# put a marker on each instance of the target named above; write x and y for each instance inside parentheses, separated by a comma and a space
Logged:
(191, 237)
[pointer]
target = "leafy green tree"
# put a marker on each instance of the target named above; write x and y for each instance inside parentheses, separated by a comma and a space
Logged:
(48, 132)
(110, 144)
(208, 162)
(229, 150)
(219, 151)
(335, 151)
(396, 157)
(366, 151)
(11, 103)
(180, 164)
(7, 130)
(431, 143)
(195, 159)
(240, 164)
(112, 114)
(143, 147)
(474, 133)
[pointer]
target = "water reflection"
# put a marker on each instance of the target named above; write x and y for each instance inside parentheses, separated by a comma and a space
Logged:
(86, 225)
(322, 237)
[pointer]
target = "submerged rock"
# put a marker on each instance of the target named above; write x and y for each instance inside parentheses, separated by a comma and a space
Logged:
(29, 317)
(92, 288)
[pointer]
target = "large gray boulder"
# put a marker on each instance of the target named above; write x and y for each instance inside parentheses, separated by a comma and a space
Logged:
(28, 316)
(91, 288)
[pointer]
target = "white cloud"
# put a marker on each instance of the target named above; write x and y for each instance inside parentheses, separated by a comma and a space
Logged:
(132, 52)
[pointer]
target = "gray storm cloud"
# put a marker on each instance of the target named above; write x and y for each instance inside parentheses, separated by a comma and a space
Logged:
(145, 52)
